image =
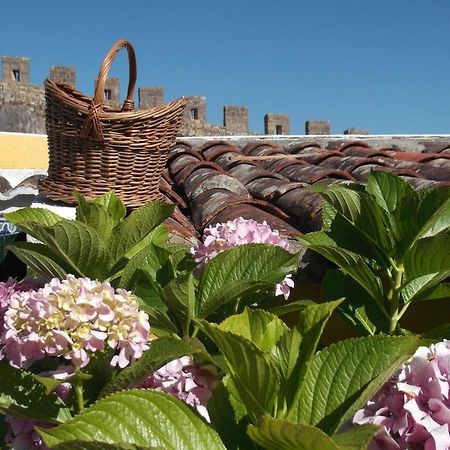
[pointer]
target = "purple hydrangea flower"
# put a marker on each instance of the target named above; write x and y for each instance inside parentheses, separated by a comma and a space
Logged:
(73, 318)
(233, 233)
(186, 380)
(413, 407)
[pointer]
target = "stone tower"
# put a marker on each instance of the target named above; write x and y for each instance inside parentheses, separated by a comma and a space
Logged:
(111, 90)
(150, 96)
(195, 109)
(235, 119)
(276, 124)
(63, 74)
(318, 127)
(15, 69)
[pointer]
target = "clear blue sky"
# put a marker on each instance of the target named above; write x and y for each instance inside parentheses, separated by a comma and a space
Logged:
(383, 65)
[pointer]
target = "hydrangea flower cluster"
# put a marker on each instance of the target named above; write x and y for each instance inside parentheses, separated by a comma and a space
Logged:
(233, 233)
(72, 318)
(186, 380)
(414, 405)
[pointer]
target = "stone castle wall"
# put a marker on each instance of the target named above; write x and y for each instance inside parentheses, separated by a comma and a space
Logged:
(22, 106)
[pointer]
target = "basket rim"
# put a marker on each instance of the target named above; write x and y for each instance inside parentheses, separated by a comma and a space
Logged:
(82, 102)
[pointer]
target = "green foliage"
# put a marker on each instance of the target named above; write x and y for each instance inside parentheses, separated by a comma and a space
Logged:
(101, 243)
(276, 389)
(236, 277)
(281, 434)
(338, 377)
(130, 423)
(294, 396)
(22, 395)
(241, 271)
(391, 245)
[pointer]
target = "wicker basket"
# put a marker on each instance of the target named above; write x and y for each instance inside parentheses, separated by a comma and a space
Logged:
(94, 148)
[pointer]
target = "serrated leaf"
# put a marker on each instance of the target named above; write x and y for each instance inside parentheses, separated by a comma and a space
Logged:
(435, 208)
(311, 323)
(387, 189)
(21, 395)
(25, 218)
(290, 307)
(239, 271)
(259, 327)
(95, 215)
(337, 376)
(146, 255)
(79, 246)
(128, 418)
(357, 438)
(251, 370)
(359, 214)
(113, 205)
(130, 233)
(40, 259)
(98, 445)
(426, 287)
(423, 213)
(349, 262)
(439, 292)
(428, 256)
(358, 309)
(161, 351)
(281, 434)
(286, 354)
(233, 433)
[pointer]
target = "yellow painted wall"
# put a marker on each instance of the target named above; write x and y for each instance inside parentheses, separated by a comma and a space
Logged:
(23, 151)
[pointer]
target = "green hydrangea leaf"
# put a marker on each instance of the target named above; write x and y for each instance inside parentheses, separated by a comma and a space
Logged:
(40, 258)
(258, 326)
(129, 236)
(281, 434)
(239, 271)
(143, 418)
(251, 370)
(357, 438)
(337, 377)
(21, 395)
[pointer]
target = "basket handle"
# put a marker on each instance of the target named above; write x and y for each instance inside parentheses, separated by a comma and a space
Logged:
(128, 104)
(92, 123)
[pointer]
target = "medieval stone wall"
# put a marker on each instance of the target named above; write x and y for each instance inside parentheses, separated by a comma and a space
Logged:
(22, 108)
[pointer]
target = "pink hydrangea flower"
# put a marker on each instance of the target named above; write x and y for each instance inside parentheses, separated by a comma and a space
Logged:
(73, 318)
(233, 233)
(186, 380)
(10, 286)
(413, 407)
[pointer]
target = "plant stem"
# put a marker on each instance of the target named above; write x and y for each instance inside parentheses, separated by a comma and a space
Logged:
(394, 295)
(194, 333)
(77, 384)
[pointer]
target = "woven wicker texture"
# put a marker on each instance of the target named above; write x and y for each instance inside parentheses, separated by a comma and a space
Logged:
(94, 148)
